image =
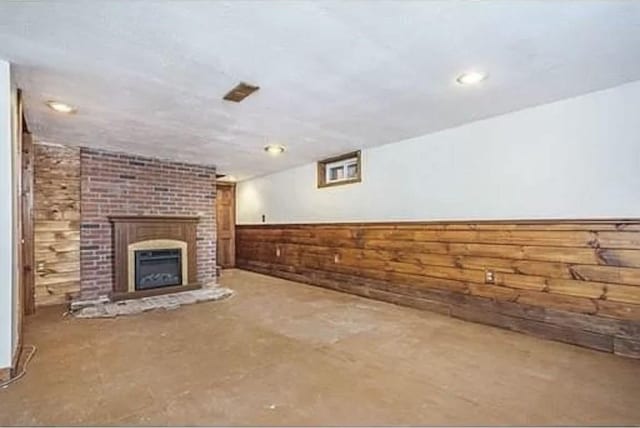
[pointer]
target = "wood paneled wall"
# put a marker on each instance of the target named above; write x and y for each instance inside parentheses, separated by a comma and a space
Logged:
(57, 223)
(576, 282)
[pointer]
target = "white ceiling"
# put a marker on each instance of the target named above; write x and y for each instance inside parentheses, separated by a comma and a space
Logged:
(148, 76)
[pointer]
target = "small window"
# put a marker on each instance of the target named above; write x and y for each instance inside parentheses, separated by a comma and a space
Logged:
(338, 170)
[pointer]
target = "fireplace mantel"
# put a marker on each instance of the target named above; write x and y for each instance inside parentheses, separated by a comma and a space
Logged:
(128, 230)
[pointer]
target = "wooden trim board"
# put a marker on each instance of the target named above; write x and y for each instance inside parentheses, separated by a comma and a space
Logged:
(27, 211)
(615, 223)
(5, 374)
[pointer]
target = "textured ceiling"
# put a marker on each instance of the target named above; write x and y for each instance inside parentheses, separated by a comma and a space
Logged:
(148, 77)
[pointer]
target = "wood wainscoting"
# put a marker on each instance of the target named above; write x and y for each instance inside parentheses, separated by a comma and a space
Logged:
(572, 281)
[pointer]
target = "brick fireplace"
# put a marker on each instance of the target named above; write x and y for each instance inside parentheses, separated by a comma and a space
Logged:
(116, 184)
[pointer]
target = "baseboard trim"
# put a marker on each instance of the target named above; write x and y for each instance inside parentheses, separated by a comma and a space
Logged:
(9, 372)
(16, 359)
(6, 374)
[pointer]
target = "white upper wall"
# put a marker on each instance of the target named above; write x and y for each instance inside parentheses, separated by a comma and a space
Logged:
(6, 221)
(575, 158)
(16, 185)
(333, 74)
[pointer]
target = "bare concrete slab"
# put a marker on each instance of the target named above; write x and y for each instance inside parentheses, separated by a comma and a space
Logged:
(281, 353)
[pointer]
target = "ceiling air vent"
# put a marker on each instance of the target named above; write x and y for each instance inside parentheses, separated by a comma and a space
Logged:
(240, 92)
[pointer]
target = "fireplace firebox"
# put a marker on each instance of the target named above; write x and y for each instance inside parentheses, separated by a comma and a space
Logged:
(157, 268)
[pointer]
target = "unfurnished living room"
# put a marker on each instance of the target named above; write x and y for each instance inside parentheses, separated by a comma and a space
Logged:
(320, 213)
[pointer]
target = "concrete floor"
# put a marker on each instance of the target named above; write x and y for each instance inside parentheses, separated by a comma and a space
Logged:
(283, 353)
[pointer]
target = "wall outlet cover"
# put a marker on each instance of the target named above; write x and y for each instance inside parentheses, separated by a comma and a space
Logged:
(489, 276)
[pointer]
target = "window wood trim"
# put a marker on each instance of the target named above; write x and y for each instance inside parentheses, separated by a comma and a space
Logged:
(322, 170)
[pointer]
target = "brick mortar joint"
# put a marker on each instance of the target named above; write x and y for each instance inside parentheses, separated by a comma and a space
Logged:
(104, 193)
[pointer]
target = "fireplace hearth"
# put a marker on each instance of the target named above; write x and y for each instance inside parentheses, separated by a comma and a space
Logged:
(158, 268)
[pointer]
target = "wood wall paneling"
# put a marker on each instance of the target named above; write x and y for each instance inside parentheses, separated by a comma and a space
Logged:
(576, 282)
(56, 223)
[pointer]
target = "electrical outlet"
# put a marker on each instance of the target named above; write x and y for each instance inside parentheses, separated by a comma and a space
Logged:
(336, 258)
(277, 251)
(264, 218)
(489, 276)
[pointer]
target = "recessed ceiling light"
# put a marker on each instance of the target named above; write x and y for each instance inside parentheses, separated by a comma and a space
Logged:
(471, 78)
(61, 107)
(274, 149)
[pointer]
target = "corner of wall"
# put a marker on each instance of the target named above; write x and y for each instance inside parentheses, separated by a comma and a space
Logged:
(8, 339)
